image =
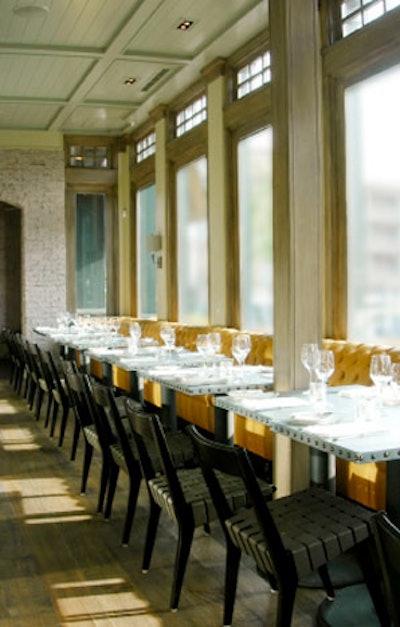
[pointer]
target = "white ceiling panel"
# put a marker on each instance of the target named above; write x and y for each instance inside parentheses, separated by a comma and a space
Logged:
(101, 119)
(30, 116)
(73, 61)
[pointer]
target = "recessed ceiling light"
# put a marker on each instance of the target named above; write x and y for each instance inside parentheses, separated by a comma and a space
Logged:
(185, 25)
(34, 8)
(130, 81)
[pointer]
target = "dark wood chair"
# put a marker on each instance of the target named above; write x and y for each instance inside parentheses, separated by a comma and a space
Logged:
(387, 540)
(122, 450)
(92, 429)
(289, 538)
(61, 399)
(181, 493)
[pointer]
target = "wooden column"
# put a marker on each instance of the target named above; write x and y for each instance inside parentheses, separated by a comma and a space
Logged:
(298, 207)
(217, 194)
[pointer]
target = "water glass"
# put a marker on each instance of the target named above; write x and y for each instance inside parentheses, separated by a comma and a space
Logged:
(380, 371)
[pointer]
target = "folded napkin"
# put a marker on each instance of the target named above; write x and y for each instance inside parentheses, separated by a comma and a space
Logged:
(344, 430)
(201, 379)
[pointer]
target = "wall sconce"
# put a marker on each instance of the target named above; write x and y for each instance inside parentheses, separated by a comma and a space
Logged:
(154, 247)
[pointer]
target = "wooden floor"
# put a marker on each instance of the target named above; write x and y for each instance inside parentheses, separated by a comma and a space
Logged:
(62, 564)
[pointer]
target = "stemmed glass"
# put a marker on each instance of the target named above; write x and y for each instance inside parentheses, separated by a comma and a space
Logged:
(241, 346)
(167, 334)
(214, 343)
(203, 346)
(309, 358)
(380, 371)
(135, 333)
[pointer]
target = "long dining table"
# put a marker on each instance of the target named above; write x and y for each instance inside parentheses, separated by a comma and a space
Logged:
(337, 430)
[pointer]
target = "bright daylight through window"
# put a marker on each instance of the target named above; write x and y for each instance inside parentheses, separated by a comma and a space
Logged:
(373, 206)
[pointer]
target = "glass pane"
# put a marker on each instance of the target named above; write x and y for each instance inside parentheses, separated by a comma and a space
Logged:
(373, 205)
(146, 261)
(192, 220)
(255, 228)
(90, 253)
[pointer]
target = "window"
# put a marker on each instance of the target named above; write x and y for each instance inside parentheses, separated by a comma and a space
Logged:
(146, 261)
(89, 157)
(90, 266)
(255, 231)
(254, 75)
(356, 14)
(192, 238)
(191, 116)
(146, 147)
(373, 205)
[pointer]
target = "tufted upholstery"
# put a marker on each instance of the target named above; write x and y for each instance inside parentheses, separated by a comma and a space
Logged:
(352, 360)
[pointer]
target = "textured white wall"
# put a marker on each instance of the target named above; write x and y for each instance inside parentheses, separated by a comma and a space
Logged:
(34, 181)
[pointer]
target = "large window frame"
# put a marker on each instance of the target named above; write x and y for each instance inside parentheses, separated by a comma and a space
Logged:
(346, 62)
(239, 125)
(142, 175)
(180, 152)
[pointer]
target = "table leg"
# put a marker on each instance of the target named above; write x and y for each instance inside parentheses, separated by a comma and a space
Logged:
(223, 425)
(393, 490)
(322, 469)
(168, 409)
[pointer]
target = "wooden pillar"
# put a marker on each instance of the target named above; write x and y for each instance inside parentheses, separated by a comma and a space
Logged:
(298, 207)
(217, 192)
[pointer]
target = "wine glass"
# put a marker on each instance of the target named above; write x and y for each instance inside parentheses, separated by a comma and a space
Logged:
(214, 343)
(309, 358)
(203, 346)
(325, 365)
(380, 371)
(241, 346)
(167, 334)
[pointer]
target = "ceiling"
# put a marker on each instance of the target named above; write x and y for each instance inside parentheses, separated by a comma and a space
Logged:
(66, 71)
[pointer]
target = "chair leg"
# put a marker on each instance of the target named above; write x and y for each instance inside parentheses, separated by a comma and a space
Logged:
(152, 525)
(369, 566)
(327, 582)
(233, 555)
(185, 538)
(75, 440)
(104, 477)
(39, 401)
(286, 597)
(53, 419)
(112, 485)
(87, 460)
(48, 410)
(134, 486)
(64, 419)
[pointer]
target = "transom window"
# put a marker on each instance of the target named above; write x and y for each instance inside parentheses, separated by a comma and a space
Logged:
(191, 116)
(356, 14)
(146, 147)
(254, 75)
(89, 157)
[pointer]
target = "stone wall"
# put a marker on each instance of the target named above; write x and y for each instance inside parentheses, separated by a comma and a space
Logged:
(34, 181)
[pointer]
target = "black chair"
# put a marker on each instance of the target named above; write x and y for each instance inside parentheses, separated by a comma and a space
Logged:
(121, 445)
(80, 386)
(46, 384)
(181, 493)
(289, 538)
(387, 540)
(61, 400)
(69, 366)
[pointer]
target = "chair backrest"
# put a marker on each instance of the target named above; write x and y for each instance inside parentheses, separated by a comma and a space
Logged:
(76, 387)
(44, 367)
(56, 377)
(120, 429)
(149, 435)
(387, 539)
(216, 457)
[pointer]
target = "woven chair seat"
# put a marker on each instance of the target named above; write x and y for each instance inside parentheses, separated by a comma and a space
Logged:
(92, 436)
(197, 494)
(310, 536)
